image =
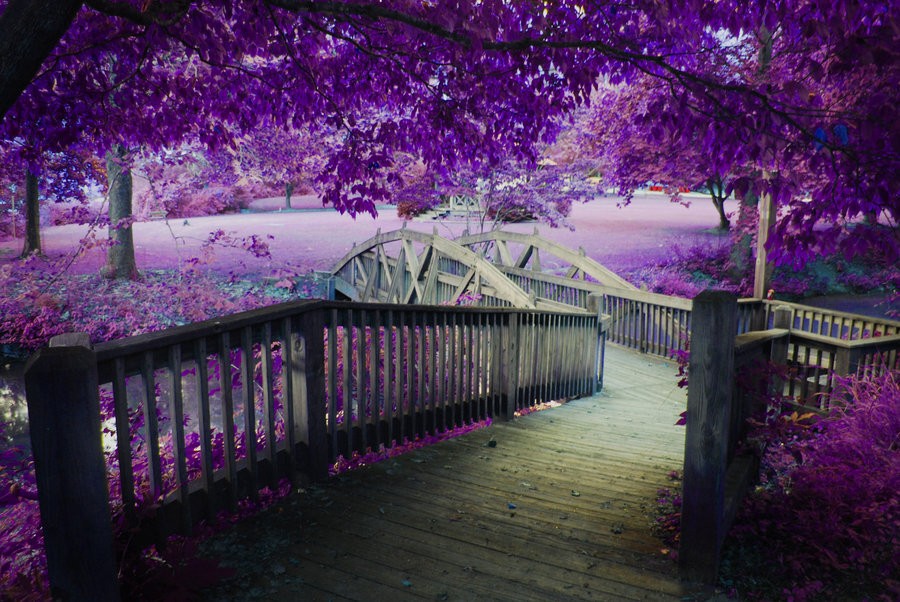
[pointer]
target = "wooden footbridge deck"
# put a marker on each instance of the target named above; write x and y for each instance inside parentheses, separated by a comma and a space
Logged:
(438, 524)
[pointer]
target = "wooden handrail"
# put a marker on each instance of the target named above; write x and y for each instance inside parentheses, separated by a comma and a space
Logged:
(842, 314)
(590, 266)
(353, 377)
(648, 297)
(751, 341)
(878, 341)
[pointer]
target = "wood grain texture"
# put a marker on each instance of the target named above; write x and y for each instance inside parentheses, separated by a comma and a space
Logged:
(558, 509)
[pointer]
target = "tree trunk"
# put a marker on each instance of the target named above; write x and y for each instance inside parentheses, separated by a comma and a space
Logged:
(32, 215)
(717, 194)
(740, 252)
(288, 191)
(120, 262)
(719, 203)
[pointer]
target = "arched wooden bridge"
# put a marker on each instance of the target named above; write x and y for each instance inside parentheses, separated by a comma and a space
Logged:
(408, 266)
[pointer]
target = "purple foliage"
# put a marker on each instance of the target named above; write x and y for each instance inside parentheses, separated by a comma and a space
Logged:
(827, 508)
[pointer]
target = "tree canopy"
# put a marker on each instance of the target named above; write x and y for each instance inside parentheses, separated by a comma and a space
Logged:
(798, 95)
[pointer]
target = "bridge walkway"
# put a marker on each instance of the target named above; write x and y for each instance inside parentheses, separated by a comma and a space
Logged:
(553, 505)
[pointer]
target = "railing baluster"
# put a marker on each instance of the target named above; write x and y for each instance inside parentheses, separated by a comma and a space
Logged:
(399, 376)
(248, 390)
(421, 376)
(411, 388)
(268, 395)
(466, 359)
(331, 383)
(205, 426)
(151, 426)
(458, 374)
(430, 325)
(375, 364)
(289, 401)
(123, 439)
(358, 323)
(443, 340)
(389, 376)
(228, 431)
(178, 448)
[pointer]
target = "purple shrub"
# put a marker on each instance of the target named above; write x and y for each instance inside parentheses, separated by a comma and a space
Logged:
(827, 508)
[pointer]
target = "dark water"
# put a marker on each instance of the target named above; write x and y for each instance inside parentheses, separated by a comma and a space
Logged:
(876, 305)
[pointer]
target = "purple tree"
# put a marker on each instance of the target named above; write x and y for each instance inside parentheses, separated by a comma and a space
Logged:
(459, 81)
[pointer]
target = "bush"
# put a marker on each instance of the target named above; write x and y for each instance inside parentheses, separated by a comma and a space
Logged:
(827, 510)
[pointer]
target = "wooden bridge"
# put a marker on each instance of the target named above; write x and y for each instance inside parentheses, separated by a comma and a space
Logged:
(316, 381)
(558, 507)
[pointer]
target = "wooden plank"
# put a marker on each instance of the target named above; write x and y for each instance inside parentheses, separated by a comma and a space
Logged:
(62, 383)
(268, 398)
(463, 284)
(399, 376)
(204, 424)
(586, 264)
(176, 400)
(389, 375)
(412, 400)
(443, 334)
(346, 323)
(358, 322)
(289, 394)
(439, 517)
(421, 369)
(249, 408)
(503, 252)
(123, 438)
(313, 412)
(151, 427)
(375, 363)
(396, 278)
(225, 384)
(331, 383)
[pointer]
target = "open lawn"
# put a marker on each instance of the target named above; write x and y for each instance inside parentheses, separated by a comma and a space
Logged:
(312, 238)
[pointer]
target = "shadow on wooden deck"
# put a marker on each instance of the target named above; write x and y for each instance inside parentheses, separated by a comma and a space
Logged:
(557, 507)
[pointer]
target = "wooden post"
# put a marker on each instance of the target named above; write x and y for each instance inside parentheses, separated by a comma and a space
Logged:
(328, 277)
(714, 317)
(763, 274)
(308, 374)
(846, 361)
(509, 364)
(779, 353)
(64, 418)
(595, 306)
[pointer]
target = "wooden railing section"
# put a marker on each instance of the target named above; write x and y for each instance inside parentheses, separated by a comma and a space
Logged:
(407, 266)
(824, 345)
(309, 380)
(730, 379)
(647, 322)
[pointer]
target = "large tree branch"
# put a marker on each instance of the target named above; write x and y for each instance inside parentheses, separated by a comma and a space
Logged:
(29, 31)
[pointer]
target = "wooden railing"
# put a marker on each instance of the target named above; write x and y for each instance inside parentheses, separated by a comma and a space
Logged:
(648, 322)
(660, 324)
(309, 381)
(829, 323)
(731, 379)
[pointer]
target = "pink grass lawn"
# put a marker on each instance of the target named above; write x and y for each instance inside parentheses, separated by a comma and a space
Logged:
(313, 238)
